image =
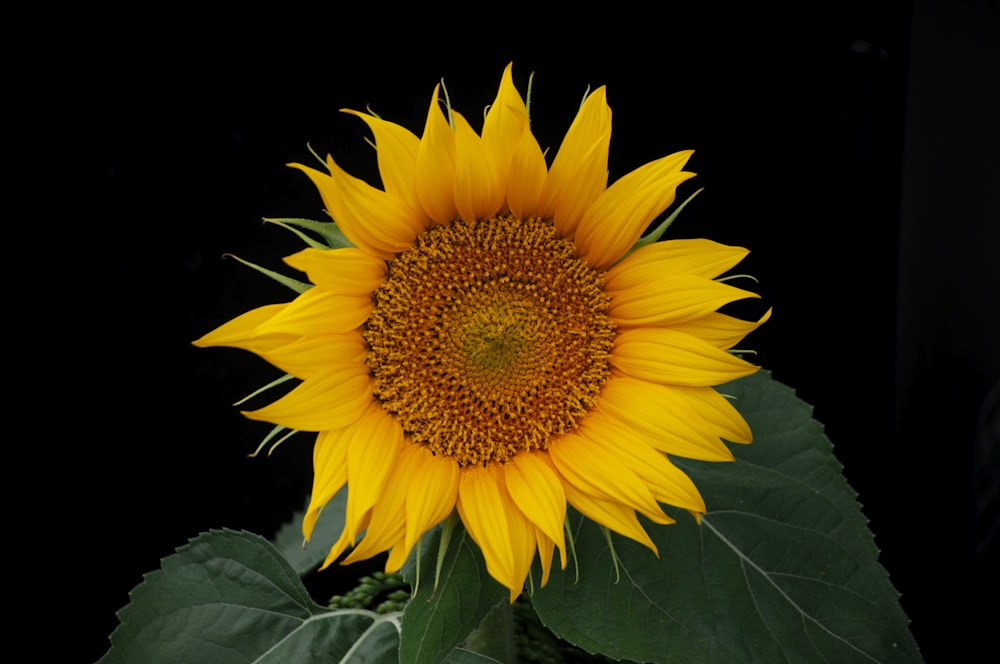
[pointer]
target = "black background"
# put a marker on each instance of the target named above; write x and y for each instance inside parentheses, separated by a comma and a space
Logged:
(852, 148)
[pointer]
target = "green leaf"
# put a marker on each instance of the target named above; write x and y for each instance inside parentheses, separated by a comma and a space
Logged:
(305, 557)
(436, 621)
(230, 598)
(782, 568)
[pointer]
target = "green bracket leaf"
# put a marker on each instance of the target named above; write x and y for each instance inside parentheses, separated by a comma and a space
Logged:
(230, 598)
(436, 621)
(782, 569)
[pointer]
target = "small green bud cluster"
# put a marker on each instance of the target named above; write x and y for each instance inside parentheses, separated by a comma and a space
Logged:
(387, 592)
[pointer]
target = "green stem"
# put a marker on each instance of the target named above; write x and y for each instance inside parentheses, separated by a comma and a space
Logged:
(495, 635)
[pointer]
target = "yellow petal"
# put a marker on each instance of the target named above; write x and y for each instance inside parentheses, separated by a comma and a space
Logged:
(661, 413)
(435, 166)
(397, 159)
(409, 481)
(479, 190)
(611, 225)
(667, 482)
(663, 355)
(345, 271)
(538, 492)
(671, 298)
(242, 331)
(376, 441)
(384, 527)
(398, 555)
(329, 401)
(419, 493)
(521, 531)
(545, 549)
(610, 514)
(342, 543)
(310, 356)
(505, 123)
(520, 162)
(720, 330)
(319, 311)
(586, 465)
(703, 258)
(329, 475)
(371, 219)
(720, 413)
(482, 511)
(433, 490)
(579, 172)
(526, 177)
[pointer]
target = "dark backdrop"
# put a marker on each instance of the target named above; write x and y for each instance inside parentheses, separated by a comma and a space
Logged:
(851, 148)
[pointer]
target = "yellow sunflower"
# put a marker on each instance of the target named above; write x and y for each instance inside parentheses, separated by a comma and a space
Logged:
(494, 344)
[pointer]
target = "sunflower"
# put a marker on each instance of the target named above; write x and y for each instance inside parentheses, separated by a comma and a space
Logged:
(497, 342)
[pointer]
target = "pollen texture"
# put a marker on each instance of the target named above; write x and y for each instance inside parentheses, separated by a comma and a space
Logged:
(489, 338)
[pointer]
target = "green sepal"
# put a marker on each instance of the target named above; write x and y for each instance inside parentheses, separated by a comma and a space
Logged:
(447, 528)
(298, 286)
(612, 553)
(276, 430)
(261, 390)
(657, 232)
(572, 548)
(331, 234)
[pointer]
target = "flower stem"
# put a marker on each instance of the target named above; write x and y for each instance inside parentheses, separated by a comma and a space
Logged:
(495, 635)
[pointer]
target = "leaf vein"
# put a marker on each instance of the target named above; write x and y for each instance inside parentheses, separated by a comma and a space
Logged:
(760, 614)
(328, 615)
(781, 591)
(378, 622)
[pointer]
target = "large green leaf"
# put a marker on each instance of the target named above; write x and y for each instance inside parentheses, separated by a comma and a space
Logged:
(230, 598)
(781, 569)
(436, 620)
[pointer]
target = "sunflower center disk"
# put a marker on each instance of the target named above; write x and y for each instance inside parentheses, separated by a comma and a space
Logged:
(489, 338)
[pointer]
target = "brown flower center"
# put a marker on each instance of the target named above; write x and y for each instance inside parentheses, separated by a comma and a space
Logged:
(489, 338)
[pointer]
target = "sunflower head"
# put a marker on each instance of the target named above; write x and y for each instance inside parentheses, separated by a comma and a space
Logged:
(498, 342)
